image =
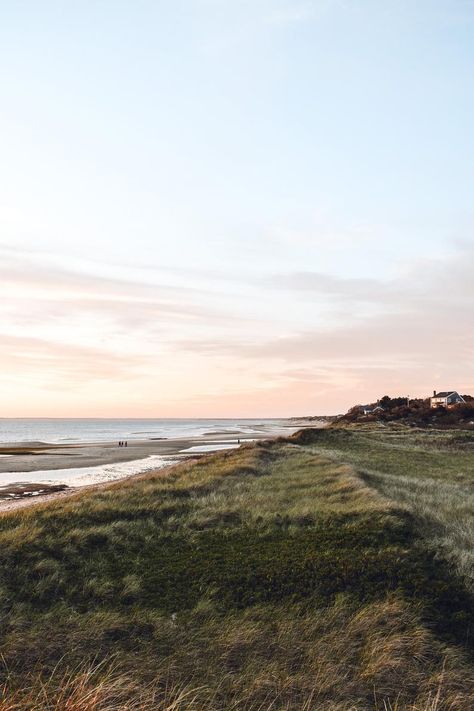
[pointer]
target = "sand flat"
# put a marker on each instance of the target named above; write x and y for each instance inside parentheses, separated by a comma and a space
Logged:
(30, 470)
(38, 458)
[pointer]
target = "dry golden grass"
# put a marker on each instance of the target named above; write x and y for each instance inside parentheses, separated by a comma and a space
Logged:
(378, 657)
(270, 578)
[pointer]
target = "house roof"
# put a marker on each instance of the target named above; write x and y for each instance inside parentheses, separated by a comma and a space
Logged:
(445, 394)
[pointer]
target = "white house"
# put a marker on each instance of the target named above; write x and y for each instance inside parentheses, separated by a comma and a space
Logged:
(368, 409)
(446, 399)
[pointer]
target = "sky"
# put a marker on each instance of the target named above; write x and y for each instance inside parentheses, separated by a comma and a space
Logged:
(234, 208)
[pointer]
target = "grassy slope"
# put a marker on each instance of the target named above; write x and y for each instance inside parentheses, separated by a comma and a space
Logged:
(429, 472)
(267, 577)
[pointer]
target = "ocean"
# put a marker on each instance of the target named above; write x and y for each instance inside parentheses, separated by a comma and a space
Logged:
(81, 431)
(70, 430)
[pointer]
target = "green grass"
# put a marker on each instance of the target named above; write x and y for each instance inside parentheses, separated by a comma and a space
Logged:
(429, 472)
(271, 576)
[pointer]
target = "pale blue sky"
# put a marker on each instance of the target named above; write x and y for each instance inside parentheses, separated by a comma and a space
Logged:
(251, 151)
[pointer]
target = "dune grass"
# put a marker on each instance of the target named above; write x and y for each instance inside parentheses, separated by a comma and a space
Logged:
(429, 472)
(269, 577)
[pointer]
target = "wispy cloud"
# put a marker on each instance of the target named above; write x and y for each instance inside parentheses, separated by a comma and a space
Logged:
(421, 331)
(50, 362)
(37, 292)
(318, 283)
(336, 340)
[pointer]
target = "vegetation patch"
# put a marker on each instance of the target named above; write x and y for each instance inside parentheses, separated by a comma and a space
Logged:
(241, 577)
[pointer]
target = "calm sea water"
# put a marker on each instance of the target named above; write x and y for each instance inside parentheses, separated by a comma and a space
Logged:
(104, 430)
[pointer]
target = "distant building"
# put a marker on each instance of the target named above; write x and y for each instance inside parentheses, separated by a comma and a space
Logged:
(369, 409)
(446, 399)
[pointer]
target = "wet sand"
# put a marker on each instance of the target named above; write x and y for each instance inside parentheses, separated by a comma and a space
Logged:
(51, 494)
(40, 456)
(155, 454)
(31, 457)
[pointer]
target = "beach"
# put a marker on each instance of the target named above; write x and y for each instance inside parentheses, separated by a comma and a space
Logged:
(34, 456)
(32, 470)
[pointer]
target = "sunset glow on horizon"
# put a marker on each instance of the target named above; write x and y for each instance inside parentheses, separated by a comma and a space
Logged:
(239, 209)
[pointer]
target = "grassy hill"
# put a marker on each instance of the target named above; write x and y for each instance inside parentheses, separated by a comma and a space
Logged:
(327, 571)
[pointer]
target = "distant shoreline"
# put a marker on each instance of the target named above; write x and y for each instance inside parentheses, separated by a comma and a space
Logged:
(68, 431)
(19, 459)
(40, 456)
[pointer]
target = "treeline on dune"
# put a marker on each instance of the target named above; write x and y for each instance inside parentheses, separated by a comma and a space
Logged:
(415, 412)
